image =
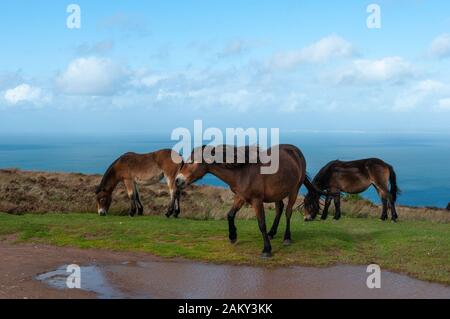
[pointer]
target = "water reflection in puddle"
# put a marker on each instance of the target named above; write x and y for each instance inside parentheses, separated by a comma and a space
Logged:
(92, 280)
(165, 279)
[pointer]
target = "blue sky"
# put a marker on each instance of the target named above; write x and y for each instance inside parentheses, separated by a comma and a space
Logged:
(156, 65)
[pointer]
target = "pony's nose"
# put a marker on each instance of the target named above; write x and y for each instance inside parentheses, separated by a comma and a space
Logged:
(102, 212)
(180, 182)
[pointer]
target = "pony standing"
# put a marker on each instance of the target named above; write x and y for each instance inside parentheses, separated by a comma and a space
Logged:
(133, 169)
(353, 177)
(250, 186)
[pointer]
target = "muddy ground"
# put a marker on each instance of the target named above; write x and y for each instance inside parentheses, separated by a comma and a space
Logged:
(40, 192)
(43, 192)
(22, 263)
(135, 275)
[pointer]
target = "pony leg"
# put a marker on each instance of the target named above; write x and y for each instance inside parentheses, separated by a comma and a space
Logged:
(337, 206)
(279, 211)
(258, 206)
(290, 205)
(384, 212)
(140, 207)
(384, 200)
(172, 190)
(131, 195)
(394, 215)
(232, 231)
(327, 206)
(177, 209)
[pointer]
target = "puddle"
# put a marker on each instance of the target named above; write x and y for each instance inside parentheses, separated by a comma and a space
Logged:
(161, 279)
(92, 280)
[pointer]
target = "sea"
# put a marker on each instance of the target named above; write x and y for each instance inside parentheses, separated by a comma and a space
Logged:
(421, 161)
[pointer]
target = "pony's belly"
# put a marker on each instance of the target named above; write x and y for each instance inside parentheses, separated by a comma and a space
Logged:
(149, 179)
(353, 184)
(276, 197)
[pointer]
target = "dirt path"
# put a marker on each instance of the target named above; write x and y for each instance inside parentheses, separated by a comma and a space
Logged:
(133, 275)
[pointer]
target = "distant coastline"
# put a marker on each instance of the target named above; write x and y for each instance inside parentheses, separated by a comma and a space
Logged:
(420, 160)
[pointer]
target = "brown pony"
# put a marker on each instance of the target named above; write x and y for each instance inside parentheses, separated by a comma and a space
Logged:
(133, 169)
(250, 186)
(353, 177)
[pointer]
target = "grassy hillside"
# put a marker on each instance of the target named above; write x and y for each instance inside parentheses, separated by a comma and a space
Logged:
(418, 248)
(43, 192)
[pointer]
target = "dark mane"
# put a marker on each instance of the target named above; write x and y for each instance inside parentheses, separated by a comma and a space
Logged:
(250, 155)
(324, 174)
(106, 176)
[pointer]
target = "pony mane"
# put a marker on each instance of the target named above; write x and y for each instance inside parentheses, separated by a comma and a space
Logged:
(249, 153)
(324, 174)
(106, 176)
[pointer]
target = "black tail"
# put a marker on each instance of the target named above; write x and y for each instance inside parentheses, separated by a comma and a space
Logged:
(395, 191)
(309, 186)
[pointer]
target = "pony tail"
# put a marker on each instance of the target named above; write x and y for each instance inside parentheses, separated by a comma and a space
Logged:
(309, 186)
(395, 191)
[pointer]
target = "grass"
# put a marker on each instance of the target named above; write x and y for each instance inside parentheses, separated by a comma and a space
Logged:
(417, 248)
(353, 197)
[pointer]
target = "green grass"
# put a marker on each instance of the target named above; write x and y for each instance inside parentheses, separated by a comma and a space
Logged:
(353, 197)
(420, 249)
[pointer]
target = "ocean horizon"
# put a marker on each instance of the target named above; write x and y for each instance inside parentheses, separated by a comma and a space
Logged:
(421, 161)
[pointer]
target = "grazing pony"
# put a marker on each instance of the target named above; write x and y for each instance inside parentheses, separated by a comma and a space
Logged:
(250, 186)
(353, 177)
(133, 169)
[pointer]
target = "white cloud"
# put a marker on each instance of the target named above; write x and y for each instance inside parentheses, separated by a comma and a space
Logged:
(422, 94)
(234, 47)
(440, 47)
(322, 51)
(293, 102)
(26, 93)
(93, 77)
(385, 69)
(145, 79)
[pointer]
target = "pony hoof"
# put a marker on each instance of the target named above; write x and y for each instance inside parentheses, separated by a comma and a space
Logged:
(287, 242)
(394, 221)
(266, 255)
(233, 241)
